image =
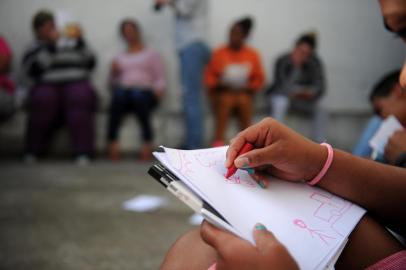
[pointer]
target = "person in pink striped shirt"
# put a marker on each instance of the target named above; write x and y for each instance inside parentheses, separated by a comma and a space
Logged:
(138, 83)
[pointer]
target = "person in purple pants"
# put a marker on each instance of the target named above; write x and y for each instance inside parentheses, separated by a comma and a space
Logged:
(59, 68)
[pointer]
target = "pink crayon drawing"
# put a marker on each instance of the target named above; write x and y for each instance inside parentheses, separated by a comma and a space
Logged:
(322, 236)
(236, 179)
(184, 164)
(210, 159)
(331, 208)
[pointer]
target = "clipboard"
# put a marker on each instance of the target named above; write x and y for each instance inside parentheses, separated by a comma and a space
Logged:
(174, 185)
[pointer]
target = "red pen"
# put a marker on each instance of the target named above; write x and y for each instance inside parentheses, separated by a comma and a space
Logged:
(246, 148)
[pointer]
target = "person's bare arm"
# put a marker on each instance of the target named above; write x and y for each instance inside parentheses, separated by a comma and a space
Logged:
(379, 188)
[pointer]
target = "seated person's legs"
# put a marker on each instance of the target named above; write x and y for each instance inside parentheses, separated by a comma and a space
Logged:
(225, 102)
(244, 107)
(118, 107)
(189, 252)
(7, 105)
(43, 110)
(79, 106)
(144, 102)
(369, 243)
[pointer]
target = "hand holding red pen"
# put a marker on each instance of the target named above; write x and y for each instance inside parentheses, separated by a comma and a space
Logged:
(279, 151)
(246, 148)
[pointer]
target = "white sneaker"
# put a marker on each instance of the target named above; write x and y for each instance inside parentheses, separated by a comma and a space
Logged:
(29, 159)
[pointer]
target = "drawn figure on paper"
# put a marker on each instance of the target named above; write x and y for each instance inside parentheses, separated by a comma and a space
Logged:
(210, 159)
(331, 208)
(236, 179)
(184, 164)
(322, 236)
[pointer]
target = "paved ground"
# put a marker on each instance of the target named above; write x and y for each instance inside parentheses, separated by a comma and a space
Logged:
(56, 215)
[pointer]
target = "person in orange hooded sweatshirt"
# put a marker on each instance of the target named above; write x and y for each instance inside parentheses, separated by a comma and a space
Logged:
(232, 77)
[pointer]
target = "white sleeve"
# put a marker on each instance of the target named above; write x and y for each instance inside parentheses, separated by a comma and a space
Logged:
(185, 8)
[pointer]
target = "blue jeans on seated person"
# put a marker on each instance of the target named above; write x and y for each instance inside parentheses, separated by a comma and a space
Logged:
(139, 101)
(193, 60)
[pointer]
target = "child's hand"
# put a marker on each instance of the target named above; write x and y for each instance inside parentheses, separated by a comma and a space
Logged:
(279, 151)
(235, 253)
(396, 146)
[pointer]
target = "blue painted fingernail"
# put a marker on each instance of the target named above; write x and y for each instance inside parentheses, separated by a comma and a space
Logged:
(248, 170)
(261, 184)
(260, 227)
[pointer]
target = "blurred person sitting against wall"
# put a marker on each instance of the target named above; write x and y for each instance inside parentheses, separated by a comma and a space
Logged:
(7, 86)
(389, 98)
(138, 81)
(299, 83)
(233, 76)
(59, 68)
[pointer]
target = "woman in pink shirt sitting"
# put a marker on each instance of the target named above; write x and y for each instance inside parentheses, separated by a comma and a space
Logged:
(138, 83)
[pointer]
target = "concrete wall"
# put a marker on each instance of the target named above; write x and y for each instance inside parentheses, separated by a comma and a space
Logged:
(353, 43)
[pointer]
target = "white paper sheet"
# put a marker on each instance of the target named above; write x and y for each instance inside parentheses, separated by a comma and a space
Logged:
(144, 203)
(310, 222)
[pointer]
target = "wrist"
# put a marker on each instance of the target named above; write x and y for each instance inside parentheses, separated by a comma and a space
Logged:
(317, 158)
(326, 166)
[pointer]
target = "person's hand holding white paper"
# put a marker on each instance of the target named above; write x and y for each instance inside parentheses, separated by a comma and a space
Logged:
(388, 127)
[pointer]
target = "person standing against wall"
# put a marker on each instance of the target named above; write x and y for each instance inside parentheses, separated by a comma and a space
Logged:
(190, 36)
(299, 82)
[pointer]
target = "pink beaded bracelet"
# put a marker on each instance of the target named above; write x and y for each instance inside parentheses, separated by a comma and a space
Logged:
(326, 166)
